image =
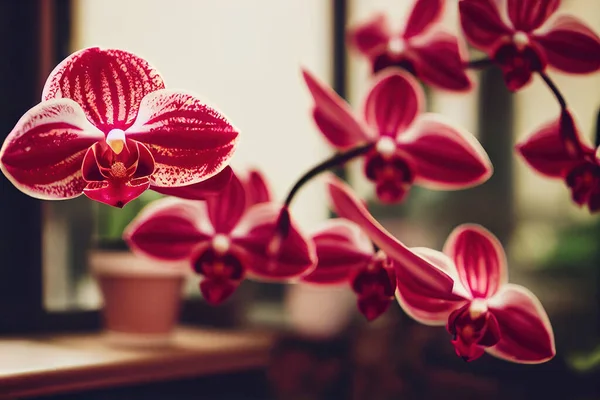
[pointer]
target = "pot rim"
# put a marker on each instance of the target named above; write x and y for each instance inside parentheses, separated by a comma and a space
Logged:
(126, 263)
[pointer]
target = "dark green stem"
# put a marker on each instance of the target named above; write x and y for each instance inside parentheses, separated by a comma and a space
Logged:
(552, 86)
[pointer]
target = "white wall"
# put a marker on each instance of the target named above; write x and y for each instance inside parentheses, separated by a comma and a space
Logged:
(244, 57)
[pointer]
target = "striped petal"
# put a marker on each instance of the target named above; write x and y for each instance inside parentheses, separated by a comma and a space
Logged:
(334, 117)
(424, 14)
(370, 37)
(445, 157)
(168, 229)
(527, 15)
(43, 154)
(201, 190)
(479, 258)
(555, 148)
(571, 46)
(438, 62)
(422, 302)
(226, 209)
(393, 102)
(189, 140)
(257, 188)
(526, 335)
(342, 248)
(109, 85)
(271, 256)
(481, 23)
(347, 205)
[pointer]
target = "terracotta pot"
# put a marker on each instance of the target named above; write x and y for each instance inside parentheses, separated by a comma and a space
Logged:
(142, 297)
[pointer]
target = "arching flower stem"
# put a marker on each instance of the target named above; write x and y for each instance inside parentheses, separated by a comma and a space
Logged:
(334, 161)
(555, 91)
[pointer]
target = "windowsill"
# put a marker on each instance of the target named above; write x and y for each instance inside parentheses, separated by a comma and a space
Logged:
(66, 363)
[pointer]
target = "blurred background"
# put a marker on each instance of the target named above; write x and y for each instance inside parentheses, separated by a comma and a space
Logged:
(245, 57)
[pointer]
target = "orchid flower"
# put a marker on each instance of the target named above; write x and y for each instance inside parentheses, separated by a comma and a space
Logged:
(346, 257)
(429, 53)
(529, 38)
(556, 150)
(405, 146)
(226, 238)
(108, 128)
(481, 310)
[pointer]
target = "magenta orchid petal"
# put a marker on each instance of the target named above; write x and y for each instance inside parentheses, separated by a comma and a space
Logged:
(445, 264)
(419, 301)
(424, 14)
(393, 103)
(348, 206)
(479, 259)
(527, 15)
(547, 150)
(371, 36)
(43, 154)
(271, 256)
(225, 210)
(570, 46)
(438, 62)
(213, 186)
(257, 188)
(334, 117)
(445, 157)
(109, 85)
(526, 333)
(481, 23)
(189, 140)
(169, 229)
(342, 248)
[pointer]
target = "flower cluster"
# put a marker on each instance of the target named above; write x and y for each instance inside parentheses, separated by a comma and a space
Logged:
(108, 128)
(226, 238)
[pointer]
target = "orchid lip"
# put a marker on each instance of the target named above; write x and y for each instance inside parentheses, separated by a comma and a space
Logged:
(116, 140)
(221, 243)
(386, 146)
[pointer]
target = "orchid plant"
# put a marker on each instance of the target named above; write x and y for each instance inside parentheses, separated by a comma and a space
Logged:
(108, 128)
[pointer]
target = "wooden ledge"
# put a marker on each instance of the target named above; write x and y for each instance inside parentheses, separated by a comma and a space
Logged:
(66, 363)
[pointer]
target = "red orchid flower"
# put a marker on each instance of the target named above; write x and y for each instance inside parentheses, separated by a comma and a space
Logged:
(226, 238)
(530, 38)
(556, 150)
(346, 257)
(480, 309)
(432, 55)
(407, 147)
(108, 128)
